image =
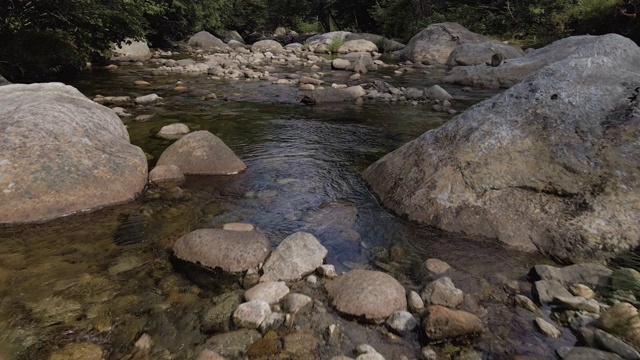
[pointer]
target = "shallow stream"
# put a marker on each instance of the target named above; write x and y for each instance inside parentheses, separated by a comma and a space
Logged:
(106, 277)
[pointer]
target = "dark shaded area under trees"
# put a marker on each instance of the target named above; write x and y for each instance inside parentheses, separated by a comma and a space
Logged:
(44, 39)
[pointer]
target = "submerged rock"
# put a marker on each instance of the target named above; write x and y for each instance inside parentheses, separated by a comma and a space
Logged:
(368, 295)
(328, 95)
(489, 171)
(79, 351)
(233, 345)
(202, 153)
(61, 153)
(166, 176)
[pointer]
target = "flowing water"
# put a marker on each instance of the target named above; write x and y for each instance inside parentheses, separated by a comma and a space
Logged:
(106, 277)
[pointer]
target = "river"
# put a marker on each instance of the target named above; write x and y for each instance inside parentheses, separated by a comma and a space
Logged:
(106, 277)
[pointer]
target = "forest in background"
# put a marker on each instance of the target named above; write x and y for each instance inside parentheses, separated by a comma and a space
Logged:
(44, 39)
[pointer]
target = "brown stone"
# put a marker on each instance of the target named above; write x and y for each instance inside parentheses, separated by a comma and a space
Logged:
(264, 348)
(441, 323)
(300, 343)
(369, 295)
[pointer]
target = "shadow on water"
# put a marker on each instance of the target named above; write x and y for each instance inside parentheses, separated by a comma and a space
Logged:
(108, 275)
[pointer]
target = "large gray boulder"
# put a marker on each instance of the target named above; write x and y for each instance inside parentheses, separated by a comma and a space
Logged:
(551, 164)
(435, 43)
(131, 50)
(3, 81)
(231, 251)
(481, 53)
(368, 295)
(202, 153)
(61, 153)
(206, 41)
(514, 70)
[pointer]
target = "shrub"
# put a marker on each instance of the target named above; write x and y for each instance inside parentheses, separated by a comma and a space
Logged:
(335, 45)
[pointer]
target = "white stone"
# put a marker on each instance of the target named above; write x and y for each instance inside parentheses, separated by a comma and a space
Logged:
(270, 292)
(251, 314)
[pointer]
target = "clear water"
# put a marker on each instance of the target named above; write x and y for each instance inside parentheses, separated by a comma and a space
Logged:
(75, 279)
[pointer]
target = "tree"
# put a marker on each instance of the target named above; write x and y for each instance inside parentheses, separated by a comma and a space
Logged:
(53, 38)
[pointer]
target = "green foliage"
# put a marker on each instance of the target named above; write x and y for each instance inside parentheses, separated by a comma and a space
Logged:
(335, 45)
(43, 39)
(51, 38)
(544, 20)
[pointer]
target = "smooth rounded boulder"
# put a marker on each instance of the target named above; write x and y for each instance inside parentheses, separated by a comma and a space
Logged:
(368, 295)
(434, 44)
(231, 251)
(206, 41)
(271, 46)
(550, 165)
(202, 153)
(61, 153)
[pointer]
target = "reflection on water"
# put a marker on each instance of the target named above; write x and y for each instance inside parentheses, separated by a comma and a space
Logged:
(105, 277)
